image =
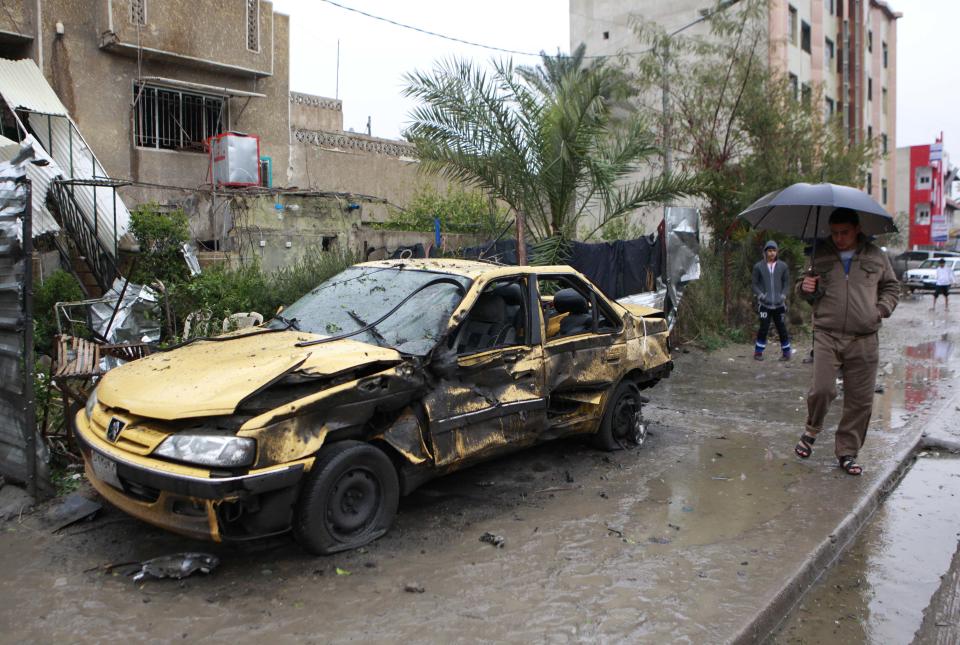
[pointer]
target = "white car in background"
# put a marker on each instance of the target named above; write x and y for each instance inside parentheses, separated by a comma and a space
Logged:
(925, 276)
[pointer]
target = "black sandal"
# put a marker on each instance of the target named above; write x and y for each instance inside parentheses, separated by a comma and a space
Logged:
(804, 447)
(850, 465)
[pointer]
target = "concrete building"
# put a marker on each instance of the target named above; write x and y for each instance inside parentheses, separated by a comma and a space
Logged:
(146, 82)
(847, 48)
(925, 195)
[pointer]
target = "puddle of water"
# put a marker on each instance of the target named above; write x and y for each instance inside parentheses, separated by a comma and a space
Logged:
(877, 591)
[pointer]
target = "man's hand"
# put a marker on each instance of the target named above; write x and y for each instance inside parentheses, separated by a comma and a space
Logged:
(809, 284)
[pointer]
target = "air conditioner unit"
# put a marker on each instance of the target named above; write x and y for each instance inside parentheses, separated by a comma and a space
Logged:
(235, 159)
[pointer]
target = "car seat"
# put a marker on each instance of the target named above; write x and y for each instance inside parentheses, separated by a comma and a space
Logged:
(580, 320)
(485, 324)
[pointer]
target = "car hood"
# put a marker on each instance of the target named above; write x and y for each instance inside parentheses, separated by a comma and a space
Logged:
(207, 378)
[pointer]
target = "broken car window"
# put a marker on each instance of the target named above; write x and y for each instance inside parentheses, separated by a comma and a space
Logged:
(360, 296)
(497, 319)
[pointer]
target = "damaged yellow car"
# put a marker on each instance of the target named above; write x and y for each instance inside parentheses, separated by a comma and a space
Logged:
(383, 377)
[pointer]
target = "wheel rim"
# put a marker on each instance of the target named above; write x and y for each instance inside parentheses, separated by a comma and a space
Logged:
(627, 421)
(354, 502)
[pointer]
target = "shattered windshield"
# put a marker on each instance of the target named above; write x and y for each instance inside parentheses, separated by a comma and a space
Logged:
(360, 296)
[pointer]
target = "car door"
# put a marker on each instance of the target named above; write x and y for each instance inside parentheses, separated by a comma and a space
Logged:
(580, 362)
(489, 395)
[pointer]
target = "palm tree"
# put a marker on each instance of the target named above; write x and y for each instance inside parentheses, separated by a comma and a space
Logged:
(552, 141)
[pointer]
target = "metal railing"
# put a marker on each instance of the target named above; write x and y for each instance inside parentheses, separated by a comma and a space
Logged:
(98, 258)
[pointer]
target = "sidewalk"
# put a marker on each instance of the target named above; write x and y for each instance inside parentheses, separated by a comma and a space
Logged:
(708, 533)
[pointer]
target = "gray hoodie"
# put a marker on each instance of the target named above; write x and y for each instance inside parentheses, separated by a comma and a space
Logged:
(771, 288)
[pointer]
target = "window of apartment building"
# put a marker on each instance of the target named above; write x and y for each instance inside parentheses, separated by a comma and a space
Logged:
(253, 25)
(869, 89)
(869, 183)
(886, 53)
(805, 37)
(174, 120)
(827, 53)
(828, 7)
(922, 215)
(138, 12)
(828, 107)
(883, 143)
(870, 41)
(839, 55)
(883, 102)
(792, 25)
(924, 175)
(806, 93)
(794, 83)
(883, 191)
(869, 133)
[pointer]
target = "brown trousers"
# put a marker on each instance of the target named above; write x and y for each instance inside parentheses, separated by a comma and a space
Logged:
(856, 357)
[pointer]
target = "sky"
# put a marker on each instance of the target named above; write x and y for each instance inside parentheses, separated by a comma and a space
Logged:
(374, 56)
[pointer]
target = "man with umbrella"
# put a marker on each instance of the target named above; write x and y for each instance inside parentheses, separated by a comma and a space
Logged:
(852, 287)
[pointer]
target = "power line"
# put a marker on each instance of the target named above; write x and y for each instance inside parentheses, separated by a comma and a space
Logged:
(723, 4)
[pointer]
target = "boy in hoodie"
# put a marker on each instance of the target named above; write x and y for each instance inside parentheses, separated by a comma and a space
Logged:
(771, 279)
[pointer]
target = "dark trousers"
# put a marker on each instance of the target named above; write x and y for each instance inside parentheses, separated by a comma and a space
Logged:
(778, 316)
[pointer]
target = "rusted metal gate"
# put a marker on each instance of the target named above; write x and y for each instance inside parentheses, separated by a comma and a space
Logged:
(18, 436)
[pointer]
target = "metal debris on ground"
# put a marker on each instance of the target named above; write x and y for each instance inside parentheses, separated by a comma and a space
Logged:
(71, 509)
(496, 540)
(177, 565)
(414, 587)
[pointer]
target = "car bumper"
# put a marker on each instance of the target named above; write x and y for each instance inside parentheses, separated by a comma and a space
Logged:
(211, 508)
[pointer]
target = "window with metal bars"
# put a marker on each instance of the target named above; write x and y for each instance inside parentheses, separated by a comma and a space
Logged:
(176, 120)
(253, 25)
(138, 12)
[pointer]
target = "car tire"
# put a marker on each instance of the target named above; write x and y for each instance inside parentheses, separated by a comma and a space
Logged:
(349, 498)
(622, 422)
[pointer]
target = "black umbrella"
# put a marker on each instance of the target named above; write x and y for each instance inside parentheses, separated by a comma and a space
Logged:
(803, 210)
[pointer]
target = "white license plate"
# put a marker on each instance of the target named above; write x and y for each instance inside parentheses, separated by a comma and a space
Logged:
(105, 469)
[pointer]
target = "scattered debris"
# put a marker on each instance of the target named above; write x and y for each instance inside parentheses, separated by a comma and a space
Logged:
(485, 484)
(175, 565)
(878, 389)
(414, 587)
(567, 477)
(659, 540)
(673, 526)
(554, 489)
(343, 572)
(71, 509)
(720, 478)
(496, 540)
(616, 532)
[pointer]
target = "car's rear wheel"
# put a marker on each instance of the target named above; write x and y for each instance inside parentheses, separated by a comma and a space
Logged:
(622, 422)
(349, 498)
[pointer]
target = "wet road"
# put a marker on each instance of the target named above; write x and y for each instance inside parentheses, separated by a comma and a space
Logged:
(688, 539)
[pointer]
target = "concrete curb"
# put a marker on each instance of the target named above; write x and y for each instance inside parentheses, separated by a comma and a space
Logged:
(762, 625)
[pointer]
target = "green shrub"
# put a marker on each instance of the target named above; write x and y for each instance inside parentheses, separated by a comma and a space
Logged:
(220, 291)
(459, 211)
(160, 235)
(59, 286)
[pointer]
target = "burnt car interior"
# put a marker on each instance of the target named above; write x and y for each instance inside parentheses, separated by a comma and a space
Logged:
(572, 309)
(496, 320)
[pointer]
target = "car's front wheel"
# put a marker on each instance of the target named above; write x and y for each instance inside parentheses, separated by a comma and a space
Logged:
(622, 422)
(349, 498)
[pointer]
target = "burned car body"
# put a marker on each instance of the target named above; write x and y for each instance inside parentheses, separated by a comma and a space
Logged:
(381, 378)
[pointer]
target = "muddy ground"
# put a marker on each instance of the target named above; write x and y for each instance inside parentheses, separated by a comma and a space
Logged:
(689, 538)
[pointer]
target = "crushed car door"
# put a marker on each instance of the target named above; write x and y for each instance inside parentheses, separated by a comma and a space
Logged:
(490, 398)
(584, 352)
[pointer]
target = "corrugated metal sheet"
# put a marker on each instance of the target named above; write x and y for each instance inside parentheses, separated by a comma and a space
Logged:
(23, 86)
(41, 176)
(17, 428)
(61, 139)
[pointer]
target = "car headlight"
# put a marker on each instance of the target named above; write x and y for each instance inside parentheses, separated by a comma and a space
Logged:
(208, 450)
(91, 403)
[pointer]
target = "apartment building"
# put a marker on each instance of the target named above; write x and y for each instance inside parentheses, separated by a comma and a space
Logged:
(847, 48)
(925, 196)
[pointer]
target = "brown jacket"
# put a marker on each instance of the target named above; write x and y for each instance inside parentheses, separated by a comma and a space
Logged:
(852, 303)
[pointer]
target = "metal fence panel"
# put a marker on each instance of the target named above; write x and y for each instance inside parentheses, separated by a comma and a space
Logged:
(19, 446)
